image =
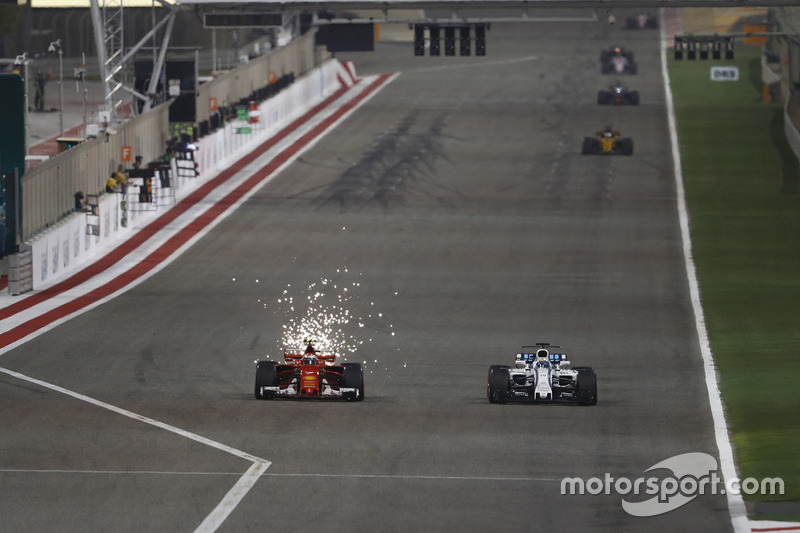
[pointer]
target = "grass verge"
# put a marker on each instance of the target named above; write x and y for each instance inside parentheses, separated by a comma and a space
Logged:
(741, 182)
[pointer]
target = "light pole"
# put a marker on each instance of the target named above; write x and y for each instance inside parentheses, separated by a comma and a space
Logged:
(80, 76)
(55, 46)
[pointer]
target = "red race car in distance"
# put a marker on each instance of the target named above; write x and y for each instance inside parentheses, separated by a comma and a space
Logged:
(309, 373)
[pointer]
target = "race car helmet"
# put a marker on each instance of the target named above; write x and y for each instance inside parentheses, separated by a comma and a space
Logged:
(309, 360)
(541, 353)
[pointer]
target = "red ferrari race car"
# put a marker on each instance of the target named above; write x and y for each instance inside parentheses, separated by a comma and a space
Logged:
(309, 373)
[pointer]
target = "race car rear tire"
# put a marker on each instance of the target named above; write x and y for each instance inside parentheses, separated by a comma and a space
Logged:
(265, 377)
(498, 386)
(587, 386)
(626, 146)
(589, 146)
(634, 98)
(632, 68)
(353, 378)
(602, 97)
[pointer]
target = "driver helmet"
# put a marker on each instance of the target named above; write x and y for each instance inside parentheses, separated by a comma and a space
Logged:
(309, 360)
(541, 353)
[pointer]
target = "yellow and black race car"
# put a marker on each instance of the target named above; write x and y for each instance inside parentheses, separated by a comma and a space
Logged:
(607, 142)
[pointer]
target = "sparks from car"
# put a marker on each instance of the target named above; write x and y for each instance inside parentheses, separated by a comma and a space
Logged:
(333, 313)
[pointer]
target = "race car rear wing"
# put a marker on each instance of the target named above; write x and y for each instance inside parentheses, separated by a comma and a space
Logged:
(295, 356)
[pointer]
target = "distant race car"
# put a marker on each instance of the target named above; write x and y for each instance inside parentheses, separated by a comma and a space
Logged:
(608, 142)
(542, 375)
(309, 373)
(618, 95)
(617, 60)
(642, 21)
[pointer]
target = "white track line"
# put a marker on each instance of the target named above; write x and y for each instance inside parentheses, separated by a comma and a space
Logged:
(284, 475)
(134, 416)
(113, 472)
(232, 499)
(422, 478)
(472, 65)
(736, 505)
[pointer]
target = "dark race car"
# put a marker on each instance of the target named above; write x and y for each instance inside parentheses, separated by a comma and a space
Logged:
(542, 376)
(642, 21)
(617, 60)
(309, 373)
(607, 142)
(618, 95)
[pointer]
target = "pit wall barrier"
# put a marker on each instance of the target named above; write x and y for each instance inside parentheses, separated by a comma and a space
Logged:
(301, 56)
(48, 189)
(67, 246)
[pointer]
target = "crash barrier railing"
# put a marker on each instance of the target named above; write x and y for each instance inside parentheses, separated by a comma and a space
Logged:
(147, 189)
(49, 188)
(70, 243)
(186, 165)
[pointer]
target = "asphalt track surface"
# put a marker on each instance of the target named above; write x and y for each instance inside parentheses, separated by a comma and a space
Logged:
(456, 204)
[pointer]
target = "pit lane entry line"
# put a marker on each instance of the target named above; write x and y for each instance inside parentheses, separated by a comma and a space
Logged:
(165, 254)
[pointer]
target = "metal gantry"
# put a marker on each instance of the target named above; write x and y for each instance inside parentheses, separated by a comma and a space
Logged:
(113, 57)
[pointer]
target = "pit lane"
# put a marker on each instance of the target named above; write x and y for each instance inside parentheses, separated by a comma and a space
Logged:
(459, 202)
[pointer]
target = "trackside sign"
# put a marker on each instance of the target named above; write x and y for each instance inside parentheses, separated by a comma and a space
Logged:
(724, 73)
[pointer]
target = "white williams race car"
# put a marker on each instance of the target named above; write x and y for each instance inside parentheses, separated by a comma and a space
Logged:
(542, 375)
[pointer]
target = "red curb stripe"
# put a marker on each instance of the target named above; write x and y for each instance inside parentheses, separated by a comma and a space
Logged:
(180, 238)
(348, 68)
(145, 233)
